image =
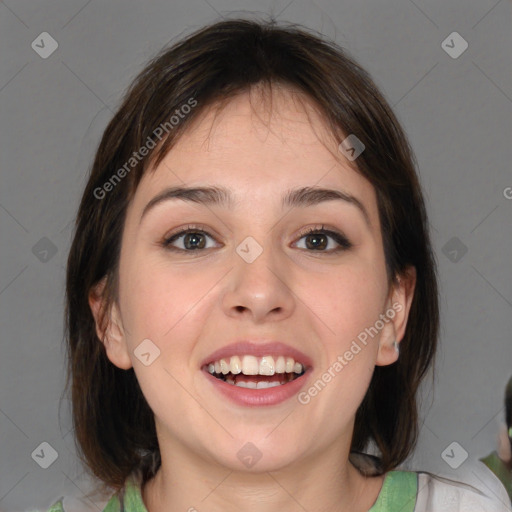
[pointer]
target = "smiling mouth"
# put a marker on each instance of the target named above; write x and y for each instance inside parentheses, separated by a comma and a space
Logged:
(256, 373)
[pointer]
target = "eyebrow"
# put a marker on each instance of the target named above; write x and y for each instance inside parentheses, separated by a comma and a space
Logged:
(219, 196)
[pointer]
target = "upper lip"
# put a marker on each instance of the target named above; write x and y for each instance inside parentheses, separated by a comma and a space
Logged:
(258, 349)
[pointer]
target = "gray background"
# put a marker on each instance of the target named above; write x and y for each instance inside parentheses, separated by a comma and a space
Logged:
(456, 112)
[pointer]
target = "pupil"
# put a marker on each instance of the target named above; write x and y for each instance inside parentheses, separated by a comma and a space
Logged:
(193, 237)
(315, 238)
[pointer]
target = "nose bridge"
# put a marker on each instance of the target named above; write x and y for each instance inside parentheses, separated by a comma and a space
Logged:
(257, 262)
(259, 281)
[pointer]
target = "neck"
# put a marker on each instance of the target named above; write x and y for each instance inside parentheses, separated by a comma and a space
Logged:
(318, 483)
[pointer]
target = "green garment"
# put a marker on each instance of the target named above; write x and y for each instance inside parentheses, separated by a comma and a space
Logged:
(398, 492)
(497, 466)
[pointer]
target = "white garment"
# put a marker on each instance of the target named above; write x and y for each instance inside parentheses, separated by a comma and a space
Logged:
(476, 490)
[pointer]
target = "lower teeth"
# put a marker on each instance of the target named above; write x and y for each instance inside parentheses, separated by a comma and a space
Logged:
(262, 384)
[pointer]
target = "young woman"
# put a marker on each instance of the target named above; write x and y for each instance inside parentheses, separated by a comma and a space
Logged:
(251, 291)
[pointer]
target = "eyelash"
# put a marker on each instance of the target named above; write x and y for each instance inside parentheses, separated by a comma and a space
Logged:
(341, 240)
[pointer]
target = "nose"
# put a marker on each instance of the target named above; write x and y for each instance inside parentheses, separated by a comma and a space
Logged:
(259, 290)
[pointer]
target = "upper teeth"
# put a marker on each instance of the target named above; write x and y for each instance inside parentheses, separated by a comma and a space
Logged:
(251, 365)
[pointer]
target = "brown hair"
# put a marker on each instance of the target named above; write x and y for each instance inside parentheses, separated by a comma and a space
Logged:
(114, 426)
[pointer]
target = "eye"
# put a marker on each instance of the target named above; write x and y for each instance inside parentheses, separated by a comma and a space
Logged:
(317, 239)
(193, 239)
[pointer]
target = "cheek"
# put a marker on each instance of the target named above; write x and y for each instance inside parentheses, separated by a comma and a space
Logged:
(353, 305)
(164, 303)
(351, 301)
(167, 307)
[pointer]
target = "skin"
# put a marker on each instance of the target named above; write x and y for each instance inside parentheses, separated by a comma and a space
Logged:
(504, 448)
(190, 304)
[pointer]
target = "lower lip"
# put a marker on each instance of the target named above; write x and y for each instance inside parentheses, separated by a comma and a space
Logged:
(258, 397)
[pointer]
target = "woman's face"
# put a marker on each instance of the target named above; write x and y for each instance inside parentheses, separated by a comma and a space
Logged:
(249, 273)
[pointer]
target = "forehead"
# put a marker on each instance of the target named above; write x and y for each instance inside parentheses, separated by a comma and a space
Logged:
(257, 145)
